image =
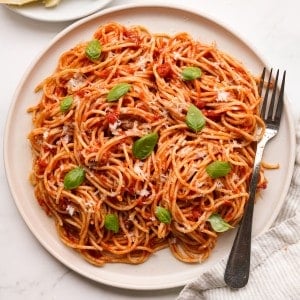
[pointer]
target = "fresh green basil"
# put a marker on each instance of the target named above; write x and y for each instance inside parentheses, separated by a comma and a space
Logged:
(111, 222)
(194, 118)
(191, 73)
(143, 147)
(163, 215)
(74, 178)
(93, 49)
(218, 224)
(66, 103)
(118, 91)
(218, 169)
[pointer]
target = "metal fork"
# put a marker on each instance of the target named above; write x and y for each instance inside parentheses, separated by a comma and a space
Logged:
(238, 264)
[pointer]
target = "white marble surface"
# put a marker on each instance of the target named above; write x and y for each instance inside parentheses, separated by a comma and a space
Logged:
(27, 270)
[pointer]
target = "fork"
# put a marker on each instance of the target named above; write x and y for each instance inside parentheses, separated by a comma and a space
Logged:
(238, 264)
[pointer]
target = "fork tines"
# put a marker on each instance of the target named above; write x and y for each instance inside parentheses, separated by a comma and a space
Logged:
(273, 107)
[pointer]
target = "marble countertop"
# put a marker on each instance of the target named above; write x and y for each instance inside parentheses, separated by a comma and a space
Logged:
(27, 270)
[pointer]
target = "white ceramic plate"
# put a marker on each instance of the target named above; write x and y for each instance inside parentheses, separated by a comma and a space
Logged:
(161, 270)
(67, 10)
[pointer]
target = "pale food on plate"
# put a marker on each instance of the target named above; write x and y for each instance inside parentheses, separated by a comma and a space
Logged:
(47, 3)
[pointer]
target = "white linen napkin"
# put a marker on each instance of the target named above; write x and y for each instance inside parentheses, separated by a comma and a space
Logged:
(275, 258)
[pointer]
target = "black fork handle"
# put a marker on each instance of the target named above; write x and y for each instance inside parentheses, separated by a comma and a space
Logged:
(238, 264)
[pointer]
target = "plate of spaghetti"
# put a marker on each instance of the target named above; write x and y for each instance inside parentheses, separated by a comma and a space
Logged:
(134, 142)
(65, 10)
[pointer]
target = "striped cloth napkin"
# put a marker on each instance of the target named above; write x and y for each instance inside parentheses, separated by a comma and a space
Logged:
(275, 258)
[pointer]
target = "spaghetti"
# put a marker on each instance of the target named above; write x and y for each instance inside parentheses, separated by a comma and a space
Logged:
(111, 214)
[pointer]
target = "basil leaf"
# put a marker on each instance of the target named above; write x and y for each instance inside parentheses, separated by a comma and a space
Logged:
(93, 49)
(218, 169)
(194, 118)
(218, 224)
(74, 178)
(66, 103)
(143, 147)
(190, 73)
(118, 91)
(111, 222)
(163, 215)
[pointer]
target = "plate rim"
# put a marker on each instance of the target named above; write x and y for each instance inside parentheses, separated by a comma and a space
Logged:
(78, 23)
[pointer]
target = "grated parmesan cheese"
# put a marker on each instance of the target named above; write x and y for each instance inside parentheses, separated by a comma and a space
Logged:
(142, 63)
(219, 184)
(144, 193)
(235, 144)
(65, 129)
(222, 96)
(137, 168)
(113, 127)
(76, 83)
(179, 106)
(45, 134)
(183, 152)
(235, 177)
(70, 210)
(89, 206)
(66, 139)
(134, 130)
(176, 55)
